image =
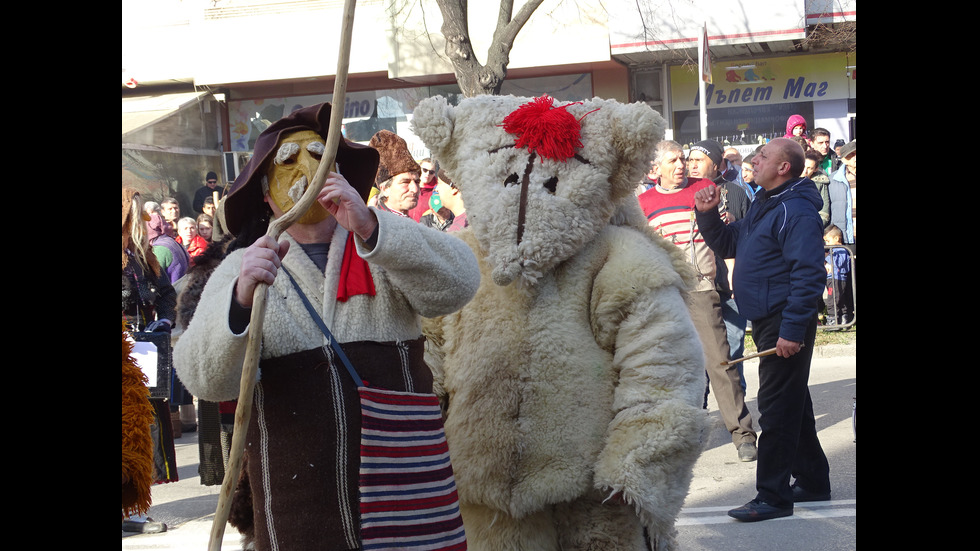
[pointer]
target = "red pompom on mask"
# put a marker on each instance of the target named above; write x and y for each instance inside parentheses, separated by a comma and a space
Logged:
(551, 132)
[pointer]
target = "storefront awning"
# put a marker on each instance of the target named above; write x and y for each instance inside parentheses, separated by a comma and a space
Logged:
(140, 112)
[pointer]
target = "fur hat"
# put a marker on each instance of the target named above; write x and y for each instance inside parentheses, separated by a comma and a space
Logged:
(710, 148)
(395, 157)
(358, 164)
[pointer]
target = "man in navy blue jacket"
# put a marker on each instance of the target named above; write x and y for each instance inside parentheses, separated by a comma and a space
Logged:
(778, 283)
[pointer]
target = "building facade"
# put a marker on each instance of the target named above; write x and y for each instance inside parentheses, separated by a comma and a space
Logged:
(202, 78)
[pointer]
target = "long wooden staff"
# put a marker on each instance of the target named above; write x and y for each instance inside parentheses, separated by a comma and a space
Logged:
(250, 367)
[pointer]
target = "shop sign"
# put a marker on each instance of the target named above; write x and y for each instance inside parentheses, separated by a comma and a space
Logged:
(758, 82)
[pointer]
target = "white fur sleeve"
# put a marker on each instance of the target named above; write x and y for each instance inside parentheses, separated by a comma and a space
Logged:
(436, 272)
(655, 437)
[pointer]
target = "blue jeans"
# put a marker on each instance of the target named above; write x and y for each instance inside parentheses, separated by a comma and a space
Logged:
(735, 325)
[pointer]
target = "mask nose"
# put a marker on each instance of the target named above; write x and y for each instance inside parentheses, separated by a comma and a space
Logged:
(522, 208)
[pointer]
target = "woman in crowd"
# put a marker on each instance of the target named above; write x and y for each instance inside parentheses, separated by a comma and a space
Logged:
(149, 304)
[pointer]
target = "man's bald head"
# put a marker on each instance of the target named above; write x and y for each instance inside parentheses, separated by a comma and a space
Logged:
(793, 154)
(779, 160)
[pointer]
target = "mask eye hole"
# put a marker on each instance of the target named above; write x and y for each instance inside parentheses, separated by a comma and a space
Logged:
(511, 180)
(287, 153)
(551, 184)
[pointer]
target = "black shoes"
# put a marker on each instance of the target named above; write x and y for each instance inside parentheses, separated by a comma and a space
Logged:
(757, 510)
(801, 495)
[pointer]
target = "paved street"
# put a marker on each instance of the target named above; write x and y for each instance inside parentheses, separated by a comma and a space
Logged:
(721, 482)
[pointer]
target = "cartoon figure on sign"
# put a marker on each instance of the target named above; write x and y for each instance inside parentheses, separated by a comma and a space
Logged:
(572, 382)
(751, 76)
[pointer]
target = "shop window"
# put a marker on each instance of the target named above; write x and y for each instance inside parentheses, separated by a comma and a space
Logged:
(646, 85)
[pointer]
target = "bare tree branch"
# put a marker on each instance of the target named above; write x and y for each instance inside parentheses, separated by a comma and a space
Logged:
(504, 13)
(507, 33)
(473, 77)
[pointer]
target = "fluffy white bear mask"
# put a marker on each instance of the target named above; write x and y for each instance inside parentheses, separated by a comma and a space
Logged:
(539, 180)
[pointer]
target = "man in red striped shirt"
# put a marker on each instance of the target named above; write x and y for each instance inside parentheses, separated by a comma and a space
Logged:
(669, 208)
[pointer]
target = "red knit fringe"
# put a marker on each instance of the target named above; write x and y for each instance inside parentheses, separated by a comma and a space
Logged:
(551, 132)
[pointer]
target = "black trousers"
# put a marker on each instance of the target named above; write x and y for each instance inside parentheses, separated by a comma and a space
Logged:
(788, 443)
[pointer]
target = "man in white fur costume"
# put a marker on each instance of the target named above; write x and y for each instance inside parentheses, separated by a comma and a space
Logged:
(573, 380)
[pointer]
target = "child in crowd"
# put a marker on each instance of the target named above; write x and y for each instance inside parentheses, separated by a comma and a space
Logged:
(839, 297)
(205, 227)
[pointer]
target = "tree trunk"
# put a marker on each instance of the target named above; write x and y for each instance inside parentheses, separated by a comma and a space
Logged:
(473, 77)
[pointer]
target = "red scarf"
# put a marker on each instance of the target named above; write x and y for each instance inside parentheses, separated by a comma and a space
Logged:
(355, 275)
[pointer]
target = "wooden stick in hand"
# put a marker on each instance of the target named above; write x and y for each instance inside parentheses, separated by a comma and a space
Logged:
(750, 356)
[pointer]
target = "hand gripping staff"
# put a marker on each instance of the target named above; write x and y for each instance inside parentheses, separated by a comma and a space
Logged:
(276, 227)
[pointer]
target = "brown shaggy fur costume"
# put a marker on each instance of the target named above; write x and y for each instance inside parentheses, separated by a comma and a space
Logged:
(137, 444)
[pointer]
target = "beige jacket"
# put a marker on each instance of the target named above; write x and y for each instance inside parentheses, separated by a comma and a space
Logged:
(416, 271)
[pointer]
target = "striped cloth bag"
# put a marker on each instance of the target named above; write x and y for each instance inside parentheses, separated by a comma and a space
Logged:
(408, 491)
